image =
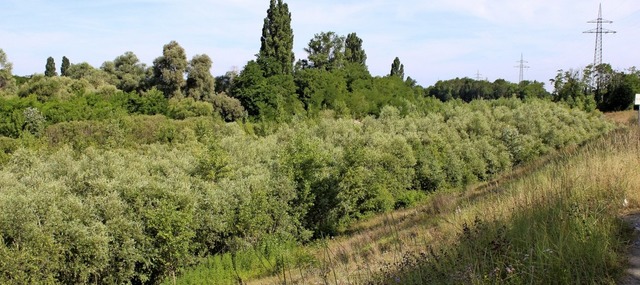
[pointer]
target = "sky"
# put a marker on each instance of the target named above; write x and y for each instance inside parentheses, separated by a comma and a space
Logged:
(434, 39)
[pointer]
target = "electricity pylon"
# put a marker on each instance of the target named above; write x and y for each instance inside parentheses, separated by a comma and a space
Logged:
(597, 57)
(522, 66)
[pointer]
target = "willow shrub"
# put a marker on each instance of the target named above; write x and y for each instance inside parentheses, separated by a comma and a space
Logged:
(140, 198)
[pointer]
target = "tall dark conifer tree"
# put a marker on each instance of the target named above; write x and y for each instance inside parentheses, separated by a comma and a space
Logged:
(64, 67)
(276, 49)
(397, 68)
(50, 68)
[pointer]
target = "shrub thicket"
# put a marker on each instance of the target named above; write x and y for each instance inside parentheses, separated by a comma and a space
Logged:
(138, 198)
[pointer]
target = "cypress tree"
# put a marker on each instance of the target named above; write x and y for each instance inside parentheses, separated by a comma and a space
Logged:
(397, 69)
(276, 49)
(64, 68)
(50, 68)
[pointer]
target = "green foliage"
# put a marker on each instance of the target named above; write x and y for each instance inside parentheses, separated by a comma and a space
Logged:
(112, 198)
(353, 52)
(185, 108)
(468, 89)
(276, 43)
(128, 70)
(34, 121)
(46, 88)
(271, 98)
(169, 69)
(597, 86)
(224, 83)
(7, 82)
(320, 89)
(200, 82)
(64, 67)
(573, 90)
(230, 109)
(619, 92)
(50, 68)
(326, 51)
(565, 213)
(397, 69)
(151, 102)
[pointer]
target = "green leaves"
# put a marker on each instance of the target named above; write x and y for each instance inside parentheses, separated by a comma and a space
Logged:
(276, 43)
(169, 69)
(200, 82)
(397, 68)
(140, 198)
(50, 68)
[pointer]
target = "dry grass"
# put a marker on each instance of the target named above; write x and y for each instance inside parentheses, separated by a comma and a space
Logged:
(623, 117)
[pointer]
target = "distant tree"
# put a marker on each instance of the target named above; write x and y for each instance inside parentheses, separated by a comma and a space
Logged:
(80, 70)
(65, 66)
(569, 87)
(620, 92)
(271, 98)
(411, 82)
(169, 69)
(326, 51)
(6, 79)
(353, 52)
(247, 88)
(397, 69)
(129, 72)
(50, 68)
(224, 83)
(502, 88)
(95, 77)
(535, 89)
(230, 109)
(320, 89)
(276, 50)
(200, 82)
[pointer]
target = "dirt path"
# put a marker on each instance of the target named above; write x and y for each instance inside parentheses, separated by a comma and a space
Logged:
(632, 274)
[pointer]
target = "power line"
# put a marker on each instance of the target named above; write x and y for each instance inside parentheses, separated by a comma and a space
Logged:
(522, 66)
(597, 57)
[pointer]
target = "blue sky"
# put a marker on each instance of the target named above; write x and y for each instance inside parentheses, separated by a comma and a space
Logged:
(434, 39)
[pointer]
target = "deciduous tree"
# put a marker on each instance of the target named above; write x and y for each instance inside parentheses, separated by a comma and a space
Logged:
(326, 51)
(6, 78)
(169, 69)
(128, 70)
(200, 82)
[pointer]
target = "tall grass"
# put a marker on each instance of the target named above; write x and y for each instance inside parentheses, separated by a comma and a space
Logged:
(554, 222)
(558, 225)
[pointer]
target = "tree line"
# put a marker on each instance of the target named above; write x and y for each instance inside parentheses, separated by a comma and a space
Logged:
(334, 75)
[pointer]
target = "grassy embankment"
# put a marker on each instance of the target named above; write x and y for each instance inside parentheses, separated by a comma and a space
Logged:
(556, 220)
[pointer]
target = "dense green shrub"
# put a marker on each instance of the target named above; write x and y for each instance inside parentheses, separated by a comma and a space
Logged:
(139, 198)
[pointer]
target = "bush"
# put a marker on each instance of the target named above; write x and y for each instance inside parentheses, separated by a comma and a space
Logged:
(139, 198)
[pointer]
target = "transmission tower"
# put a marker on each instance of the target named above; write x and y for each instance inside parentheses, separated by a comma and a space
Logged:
(522, 66)
(597, 57)
(478, 76)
